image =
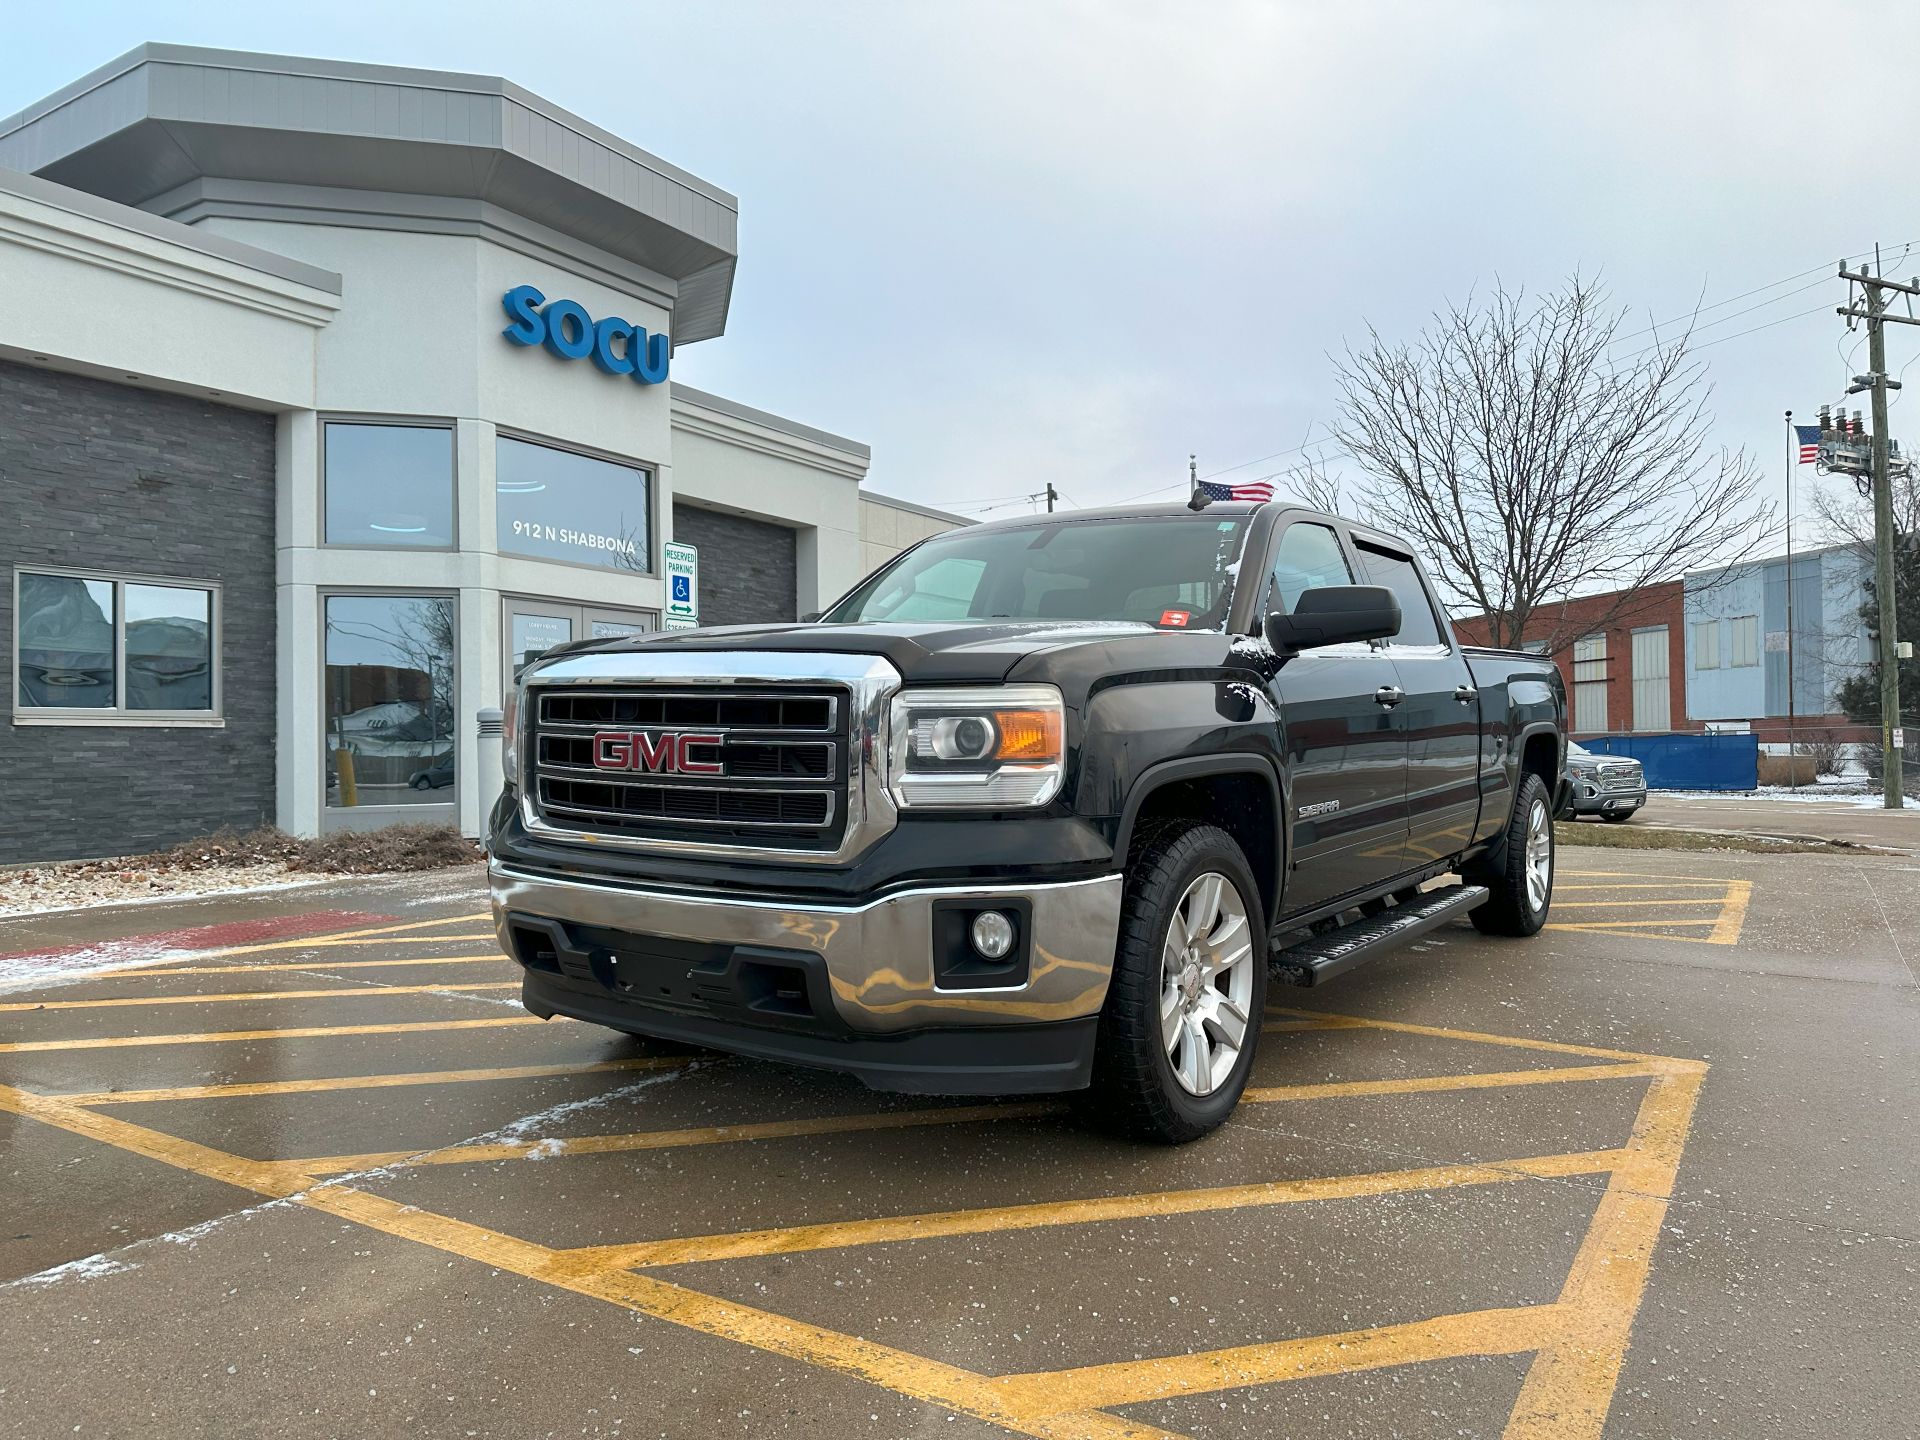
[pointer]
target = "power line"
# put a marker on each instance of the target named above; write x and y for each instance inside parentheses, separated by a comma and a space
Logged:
(1722, 339)
(1334, 454)
(1738, 334)
(1820, 270)
(1181, 484)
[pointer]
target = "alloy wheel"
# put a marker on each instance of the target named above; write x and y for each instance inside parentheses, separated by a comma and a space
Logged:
(1206, 983)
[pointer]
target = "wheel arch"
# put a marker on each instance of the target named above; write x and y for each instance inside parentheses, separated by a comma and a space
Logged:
(1215, 788)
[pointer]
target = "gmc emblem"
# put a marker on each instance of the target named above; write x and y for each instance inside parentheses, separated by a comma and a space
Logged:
(664, 752)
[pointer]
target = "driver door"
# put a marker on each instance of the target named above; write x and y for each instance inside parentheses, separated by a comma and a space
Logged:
(1345, 745)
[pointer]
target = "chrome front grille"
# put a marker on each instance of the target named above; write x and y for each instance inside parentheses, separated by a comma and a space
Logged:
(1619, 777)
(760, 768)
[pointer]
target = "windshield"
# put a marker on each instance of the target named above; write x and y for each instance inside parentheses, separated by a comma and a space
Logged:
(1169, 570)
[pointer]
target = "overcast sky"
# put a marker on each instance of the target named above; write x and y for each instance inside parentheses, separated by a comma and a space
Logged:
(1013, 243)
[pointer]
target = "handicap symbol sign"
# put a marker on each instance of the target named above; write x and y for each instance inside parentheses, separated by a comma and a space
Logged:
(683, 588)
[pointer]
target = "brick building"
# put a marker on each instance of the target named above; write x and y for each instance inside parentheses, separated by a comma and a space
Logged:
(1626, 674)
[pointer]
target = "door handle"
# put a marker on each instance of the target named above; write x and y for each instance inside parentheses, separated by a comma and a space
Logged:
(1389, 696)
(1466, 694)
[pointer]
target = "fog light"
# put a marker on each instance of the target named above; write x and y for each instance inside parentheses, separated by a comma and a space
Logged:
(992, 934)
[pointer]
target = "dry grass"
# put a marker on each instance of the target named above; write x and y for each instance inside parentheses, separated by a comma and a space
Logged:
(371, 852)
(1598, 834)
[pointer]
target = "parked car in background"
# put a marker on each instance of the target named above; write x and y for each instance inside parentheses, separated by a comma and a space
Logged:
(436, 776)
(1610, 786)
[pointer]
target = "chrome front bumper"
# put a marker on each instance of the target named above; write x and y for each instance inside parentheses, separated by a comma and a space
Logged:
(1589, 798)
(878, 956)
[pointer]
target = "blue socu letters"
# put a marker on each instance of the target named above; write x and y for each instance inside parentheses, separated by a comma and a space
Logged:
(617, 346)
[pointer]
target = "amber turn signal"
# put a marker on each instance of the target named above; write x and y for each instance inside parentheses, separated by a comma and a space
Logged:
(1030, 735)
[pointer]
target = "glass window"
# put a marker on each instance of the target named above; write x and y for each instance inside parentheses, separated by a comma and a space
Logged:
(93, 647)
(66, 643)
(1590, 657)
(1706, 644)
(1398, 574)
(1746, 639)
(389, 699)
(389, 485)
(1148, 570)
(614, 629)
(559, 505)
(169, 648)
(1307, 558)
(534, 634)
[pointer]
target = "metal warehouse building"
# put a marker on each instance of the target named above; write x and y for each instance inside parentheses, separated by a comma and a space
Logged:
(328, 394)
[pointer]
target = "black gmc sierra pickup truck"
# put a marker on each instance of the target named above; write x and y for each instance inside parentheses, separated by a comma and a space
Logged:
(1036, 807)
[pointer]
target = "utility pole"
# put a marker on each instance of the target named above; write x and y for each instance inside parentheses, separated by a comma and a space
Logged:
(1878, 294)
(1051, 497)
(1793, 750)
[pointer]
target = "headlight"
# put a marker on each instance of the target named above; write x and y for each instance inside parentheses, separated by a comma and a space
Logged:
(1002, 747)
(510, 733)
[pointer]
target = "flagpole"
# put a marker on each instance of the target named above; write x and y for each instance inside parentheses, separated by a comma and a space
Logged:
(1793, 462)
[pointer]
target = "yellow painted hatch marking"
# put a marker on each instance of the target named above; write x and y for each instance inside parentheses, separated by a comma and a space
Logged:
(1578, 1340)
(450, 987)
(304, 1032)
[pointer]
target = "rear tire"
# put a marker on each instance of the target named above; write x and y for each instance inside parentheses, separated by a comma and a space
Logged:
(1522, 888)
(1182, 1020)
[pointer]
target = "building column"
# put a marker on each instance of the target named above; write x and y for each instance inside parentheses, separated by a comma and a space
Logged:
(478, 684)
(300, 786)
(826, 565)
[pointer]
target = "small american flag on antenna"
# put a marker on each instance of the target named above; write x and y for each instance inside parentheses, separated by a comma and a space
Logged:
(1261, 490)
(1809, 438)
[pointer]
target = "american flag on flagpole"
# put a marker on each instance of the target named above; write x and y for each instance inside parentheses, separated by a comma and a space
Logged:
(1261, 490)
(1809, 438)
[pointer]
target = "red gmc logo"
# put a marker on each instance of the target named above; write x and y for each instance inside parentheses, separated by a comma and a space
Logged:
(663, 752)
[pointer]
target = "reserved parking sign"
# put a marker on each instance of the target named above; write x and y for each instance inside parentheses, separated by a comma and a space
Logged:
(682, 564)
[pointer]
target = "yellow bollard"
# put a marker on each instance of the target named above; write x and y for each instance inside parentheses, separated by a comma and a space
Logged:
(343, 770)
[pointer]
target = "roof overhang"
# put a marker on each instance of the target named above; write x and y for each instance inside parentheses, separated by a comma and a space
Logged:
(162, 119)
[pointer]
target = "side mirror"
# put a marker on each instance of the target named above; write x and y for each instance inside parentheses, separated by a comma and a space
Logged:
(1334, 615)
(811, 616)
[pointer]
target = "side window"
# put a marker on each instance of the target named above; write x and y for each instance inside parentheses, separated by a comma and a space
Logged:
(1307, 558)
(1397, 573)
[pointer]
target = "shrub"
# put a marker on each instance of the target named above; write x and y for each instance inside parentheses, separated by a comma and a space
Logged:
(1786, 770)
(1827, 756)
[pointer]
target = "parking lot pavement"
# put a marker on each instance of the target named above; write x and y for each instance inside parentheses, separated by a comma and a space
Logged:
(1648, 1174)
(1854, 819)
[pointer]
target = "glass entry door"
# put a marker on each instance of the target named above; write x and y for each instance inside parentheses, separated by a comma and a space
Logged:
(533, 627)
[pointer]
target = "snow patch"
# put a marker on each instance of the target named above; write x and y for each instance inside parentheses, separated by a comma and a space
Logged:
(30, 972)
(90, 1268)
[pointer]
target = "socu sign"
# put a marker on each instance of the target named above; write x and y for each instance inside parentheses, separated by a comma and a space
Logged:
(617, 346)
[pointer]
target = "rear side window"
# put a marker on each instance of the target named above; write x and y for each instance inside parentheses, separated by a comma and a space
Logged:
(1307, 558)
(1397, 573)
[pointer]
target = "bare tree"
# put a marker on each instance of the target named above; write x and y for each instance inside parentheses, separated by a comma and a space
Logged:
(1844, 516)
(1536, 464)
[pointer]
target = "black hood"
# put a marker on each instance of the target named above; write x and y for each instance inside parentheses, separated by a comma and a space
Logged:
(982, 652)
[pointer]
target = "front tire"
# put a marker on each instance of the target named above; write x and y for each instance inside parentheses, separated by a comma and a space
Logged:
(1522, 888)
(1182, 1019)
